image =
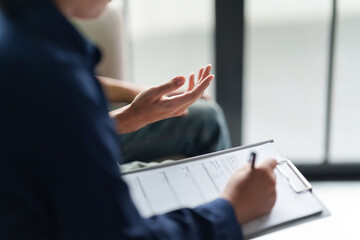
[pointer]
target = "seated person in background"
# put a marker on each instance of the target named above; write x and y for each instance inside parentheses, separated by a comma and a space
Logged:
(201, 129)
(59, 154)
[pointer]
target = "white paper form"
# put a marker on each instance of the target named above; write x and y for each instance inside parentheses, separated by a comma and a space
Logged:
(192, 183)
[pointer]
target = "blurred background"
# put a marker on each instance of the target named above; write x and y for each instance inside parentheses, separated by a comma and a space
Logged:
(290, 72)
(286, 67)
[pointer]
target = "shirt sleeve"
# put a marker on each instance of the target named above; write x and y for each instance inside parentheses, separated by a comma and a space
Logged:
(71, 177)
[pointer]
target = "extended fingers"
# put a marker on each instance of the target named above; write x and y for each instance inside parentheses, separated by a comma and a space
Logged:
(194, 94)
(201, 71)
(169, 86)
(206, 73)
(191, 82)
(201, 87)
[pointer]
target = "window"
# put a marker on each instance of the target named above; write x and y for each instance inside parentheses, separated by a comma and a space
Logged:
(286, 69)
(285, 75)
(345, 128)
(300, 83)
(172, 42)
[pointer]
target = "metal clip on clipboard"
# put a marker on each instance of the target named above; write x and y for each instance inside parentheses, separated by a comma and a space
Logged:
(299, 184)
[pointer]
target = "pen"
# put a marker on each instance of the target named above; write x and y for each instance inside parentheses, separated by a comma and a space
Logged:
(252, 160)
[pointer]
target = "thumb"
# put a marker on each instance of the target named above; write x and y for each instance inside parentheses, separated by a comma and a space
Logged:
(169, 86)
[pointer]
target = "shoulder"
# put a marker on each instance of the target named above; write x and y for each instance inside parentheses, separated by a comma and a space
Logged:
(38, 75)
(20, 49)
(27, 57)
(44, 77)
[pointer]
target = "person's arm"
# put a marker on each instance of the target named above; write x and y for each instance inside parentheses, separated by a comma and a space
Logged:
(250, 193)
(118, 90)
(66, 169)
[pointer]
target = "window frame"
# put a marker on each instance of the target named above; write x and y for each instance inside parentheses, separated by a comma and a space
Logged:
(229, 57)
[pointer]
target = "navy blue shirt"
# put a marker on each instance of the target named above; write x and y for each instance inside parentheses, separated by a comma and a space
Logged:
(59, 154)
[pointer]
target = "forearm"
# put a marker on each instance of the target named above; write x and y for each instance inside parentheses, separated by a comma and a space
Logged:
(215, 220)
(118, 90)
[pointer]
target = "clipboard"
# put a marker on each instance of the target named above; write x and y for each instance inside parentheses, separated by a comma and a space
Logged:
(324, 213)
(166, 180)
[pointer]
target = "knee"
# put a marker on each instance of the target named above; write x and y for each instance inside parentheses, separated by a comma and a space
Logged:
(209, 118)
(207, 113)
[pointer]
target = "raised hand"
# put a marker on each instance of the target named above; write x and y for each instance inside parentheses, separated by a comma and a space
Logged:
(157, 103)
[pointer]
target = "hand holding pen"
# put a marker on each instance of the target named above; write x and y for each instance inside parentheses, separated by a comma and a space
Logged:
(251, 191)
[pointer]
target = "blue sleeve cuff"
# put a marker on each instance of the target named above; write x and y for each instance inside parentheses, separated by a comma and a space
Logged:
(224, 216)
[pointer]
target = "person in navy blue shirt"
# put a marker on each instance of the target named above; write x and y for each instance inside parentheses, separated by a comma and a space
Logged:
(59, 154)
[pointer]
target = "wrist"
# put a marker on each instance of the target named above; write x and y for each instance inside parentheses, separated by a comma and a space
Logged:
(127, 119)
(241, 216)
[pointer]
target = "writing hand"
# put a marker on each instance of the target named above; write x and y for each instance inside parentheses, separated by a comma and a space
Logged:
(252, 192)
